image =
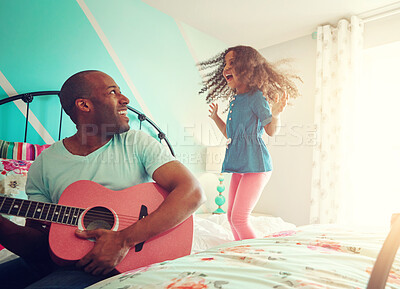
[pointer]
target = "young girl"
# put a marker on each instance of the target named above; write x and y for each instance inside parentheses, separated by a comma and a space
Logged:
(243, 76)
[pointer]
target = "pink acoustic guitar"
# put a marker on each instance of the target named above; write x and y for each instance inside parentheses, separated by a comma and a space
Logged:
(88, 205)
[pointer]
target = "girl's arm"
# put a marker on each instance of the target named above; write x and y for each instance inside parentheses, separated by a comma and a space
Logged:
(218, 121)
(274, 126)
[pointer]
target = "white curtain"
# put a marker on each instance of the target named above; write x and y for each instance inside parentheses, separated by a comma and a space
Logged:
(339, 54)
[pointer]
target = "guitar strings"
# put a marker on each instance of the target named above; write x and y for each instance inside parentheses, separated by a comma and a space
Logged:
(122, 219)
(8, 203)
(110, 215)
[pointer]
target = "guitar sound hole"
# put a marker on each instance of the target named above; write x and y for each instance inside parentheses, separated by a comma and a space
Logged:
(98, 218)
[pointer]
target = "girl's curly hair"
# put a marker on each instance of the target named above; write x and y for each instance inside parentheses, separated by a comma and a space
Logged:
(252, 68)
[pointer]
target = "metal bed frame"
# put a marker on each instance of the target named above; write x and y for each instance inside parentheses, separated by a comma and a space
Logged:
(28, 98)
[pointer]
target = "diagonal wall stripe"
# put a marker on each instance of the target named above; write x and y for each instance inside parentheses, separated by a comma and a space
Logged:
(114, 56)
(189, 45)
(36, 124)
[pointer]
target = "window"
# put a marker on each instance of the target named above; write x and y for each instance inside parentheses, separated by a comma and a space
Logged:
(376, 167)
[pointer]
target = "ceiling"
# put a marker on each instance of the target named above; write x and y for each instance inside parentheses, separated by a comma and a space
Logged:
(262, 23)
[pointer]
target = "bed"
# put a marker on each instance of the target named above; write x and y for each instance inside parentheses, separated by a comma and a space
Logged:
(314, 256)
(282, 255)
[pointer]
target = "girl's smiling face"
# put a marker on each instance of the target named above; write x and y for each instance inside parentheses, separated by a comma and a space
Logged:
(230, 74)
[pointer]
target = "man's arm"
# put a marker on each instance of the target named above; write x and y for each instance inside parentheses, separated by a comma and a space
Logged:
(29, 241)
(184, 198)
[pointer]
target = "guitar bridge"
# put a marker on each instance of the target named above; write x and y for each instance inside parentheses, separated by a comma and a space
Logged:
(143, 213)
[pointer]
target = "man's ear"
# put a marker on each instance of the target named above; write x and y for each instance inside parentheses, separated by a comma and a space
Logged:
(83, 104)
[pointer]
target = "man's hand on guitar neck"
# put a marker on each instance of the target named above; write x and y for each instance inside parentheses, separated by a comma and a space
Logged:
(108, 252)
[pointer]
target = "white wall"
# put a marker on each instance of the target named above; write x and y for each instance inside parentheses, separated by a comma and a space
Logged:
(288, 193)
(382, 31)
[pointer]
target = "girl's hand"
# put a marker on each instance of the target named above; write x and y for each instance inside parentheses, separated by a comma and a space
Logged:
(279, 104)
(213, 110)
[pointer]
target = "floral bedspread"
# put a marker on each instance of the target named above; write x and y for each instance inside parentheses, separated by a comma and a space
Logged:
(314, 256)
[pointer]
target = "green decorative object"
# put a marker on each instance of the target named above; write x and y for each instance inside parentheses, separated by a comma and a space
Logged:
(220, 188)
(220, 199)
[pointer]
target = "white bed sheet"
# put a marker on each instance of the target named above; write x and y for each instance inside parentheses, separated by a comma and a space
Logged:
(211, 230)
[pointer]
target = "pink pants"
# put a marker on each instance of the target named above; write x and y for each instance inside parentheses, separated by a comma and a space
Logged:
(244, 193)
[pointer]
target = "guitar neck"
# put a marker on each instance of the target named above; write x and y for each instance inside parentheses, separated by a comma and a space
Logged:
(40, 211)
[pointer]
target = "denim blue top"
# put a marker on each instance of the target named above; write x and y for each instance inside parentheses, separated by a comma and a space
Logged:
(246, 151)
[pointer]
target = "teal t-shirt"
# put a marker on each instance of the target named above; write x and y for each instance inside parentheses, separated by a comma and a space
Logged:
(126, 160)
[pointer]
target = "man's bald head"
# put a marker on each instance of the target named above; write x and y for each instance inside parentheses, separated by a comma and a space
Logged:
(75, 87)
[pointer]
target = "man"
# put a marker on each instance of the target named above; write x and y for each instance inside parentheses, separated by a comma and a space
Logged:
(103, 150)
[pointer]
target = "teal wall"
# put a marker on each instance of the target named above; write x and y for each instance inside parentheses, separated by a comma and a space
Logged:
(43, 42)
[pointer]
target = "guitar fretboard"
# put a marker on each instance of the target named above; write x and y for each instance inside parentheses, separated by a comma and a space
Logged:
(40, 211)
